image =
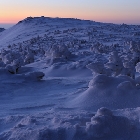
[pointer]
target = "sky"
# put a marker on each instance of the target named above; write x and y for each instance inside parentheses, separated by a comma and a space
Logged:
(112, 11)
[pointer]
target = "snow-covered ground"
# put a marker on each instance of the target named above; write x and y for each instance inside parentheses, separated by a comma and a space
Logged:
(69, 79)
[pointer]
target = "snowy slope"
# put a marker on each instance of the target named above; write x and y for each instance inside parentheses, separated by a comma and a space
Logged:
(32, 27)
(69, 79)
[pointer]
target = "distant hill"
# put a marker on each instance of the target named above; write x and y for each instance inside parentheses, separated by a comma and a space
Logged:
(34, 26)
(2, 29)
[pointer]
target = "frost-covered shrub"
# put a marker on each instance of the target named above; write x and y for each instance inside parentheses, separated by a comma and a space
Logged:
(14, 66)
(29, 58)
(9, 56)
(7, 59)
(11, 60)
(134, 46)
(138, 67)
(15, 54)
(136, 57)
(115, 64)
(12, 69)
(98, 68)
(78, 65)
(41, 51)
(136, 34)
(58, 51)
(98, 48)
(113, 67)
(103, 49)
(64, 51)
(129, 69)
(5, 55)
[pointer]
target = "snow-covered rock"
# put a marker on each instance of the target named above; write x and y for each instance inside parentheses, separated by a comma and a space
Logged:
(34, 75)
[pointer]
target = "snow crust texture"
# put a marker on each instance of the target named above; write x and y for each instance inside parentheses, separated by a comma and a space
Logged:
(102, 125)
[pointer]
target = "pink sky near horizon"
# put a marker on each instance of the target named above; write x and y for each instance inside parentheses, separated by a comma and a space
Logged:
(15, 19)
(126, 11)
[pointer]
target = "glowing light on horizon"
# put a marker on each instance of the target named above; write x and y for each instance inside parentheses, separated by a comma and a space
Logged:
(119, 11)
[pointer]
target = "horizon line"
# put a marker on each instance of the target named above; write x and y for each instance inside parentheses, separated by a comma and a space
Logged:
(100, 21)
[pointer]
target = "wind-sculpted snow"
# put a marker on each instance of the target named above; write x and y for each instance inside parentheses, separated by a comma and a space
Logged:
(77, 126)
(114, 92)
(55, 73)
(105, 125)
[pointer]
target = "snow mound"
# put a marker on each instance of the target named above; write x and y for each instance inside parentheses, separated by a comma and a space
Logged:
(105, 125)
(34, 75)
(112, 92)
